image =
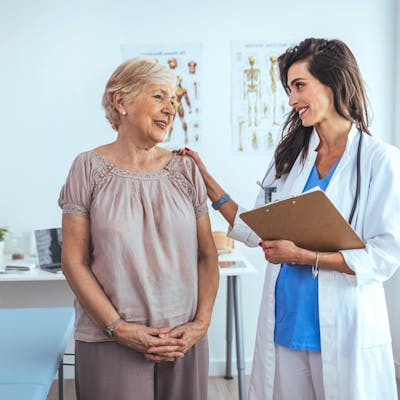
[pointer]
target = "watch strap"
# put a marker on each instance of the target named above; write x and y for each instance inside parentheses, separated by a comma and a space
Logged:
(109, 330)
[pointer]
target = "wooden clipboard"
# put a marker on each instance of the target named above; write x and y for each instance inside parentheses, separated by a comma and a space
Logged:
(310, 220)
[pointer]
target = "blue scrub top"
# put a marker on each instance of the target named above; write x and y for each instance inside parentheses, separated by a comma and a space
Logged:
(296, 295)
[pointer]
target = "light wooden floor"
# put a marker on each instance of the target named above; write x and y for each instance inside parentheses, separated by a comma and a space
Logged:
(218, 389)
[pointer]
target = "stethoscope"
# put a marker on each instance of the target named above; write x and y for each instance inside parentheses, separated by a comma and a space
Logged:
(268, 190)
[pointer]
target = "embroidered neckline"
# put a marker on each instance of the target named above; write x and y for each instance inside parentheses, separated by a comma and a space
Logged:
(137, 174)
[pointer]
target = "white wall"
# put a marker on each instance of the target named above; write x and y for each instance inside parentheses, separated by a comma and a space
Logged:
(397, 71)
(56, 56)
(392, 287)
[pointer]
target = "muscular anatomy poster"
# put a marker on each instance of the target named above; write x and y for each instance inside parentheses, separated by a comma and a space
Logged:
(259, 103)
(185, 61)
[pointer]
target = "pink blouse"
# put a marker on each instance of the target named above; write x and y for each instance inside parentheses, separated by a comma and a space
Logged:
(143, 238)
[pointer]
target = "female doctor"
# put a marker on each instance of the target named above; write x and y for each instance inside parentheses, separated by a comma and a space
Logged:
(323, 330)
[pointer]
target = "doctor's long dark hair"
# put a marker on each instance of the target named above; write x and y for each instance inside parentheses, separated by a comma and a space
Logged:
(334, 65)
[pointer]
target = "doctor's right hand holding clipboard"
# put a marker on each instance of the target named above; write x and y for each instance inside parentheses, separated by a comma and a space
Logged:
(310, 220)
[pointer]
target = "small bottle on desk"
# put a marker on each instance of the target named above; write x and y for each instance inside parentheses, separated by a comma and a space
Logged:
(16, 247)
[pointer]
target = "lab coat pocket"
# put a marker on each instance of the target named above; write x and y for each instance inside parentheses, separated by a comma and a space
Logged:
(375, 329)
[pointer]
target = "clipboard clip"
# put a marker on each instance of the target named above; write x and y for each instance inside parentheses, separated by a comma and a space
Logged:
(268, 190)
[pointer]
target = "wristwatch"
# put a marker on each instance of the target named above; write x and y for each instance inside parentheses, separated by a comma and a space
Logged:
(109, 330)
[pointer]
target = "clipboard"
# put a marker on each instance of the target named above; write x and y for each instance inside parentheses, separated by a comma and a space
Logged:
(310, 220)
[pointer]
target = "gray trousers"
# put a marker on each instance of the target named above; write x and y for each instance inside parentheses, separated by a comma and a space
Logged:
(108, 371)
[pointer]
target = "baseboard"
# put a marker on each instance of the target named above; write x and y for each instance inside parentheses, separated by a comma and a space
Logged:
(217, 367)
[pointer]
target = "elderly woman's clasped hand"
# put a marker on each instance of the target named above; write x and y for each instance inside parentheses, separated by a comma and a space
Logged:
(160, 344)
(178, 341)
(142, 338)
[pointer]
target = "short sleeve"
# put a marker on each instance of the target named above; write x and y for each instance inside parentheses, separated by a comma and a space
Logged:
(199, 191)
(75, 195)
(200, 199)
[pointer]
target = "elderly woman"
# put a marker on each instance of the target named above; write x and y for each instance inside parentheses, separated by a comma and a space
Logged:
(138, 251)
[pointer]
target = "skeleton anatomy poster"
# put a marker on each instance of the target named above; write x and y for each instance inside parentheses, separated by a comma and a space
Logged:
(185, 61)
(259, 103)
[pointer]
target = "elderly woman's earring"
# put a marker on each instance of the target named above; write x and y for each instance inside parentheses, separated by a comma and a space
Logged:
(123, 112)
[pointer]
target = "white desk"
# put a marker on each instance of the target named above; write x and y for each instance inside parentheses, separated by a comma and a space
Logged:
(233, 304)
(36, 274)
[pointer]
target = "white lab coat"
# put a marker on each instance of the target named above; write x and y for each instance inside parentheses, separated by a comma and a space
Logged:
(355, 336)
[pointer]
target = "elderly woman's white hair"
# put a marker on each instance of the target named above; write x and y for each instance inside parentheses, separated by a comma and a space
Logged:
(130, 78)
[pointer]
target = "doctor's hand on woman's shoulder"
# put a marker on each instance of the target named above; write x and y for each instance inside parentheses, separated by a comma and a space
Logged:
(188, 152)
(221, 201)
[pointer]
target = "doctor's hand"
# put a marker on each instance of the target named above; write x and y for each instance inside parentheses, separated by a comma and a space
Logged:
(188, 152)
(283, 252)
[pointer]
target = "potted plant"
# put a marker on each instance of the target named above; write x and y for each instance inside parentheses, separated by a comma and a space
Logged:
(3, 231)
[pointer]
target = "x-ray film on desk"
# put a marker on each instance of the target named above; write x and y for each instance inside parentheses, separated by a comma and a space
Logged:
(48, 246)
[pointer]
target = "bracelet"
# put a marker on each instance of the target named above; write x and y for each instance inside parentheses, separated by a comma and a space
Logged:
(109, 330)
(221, 201)
(314, 268)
